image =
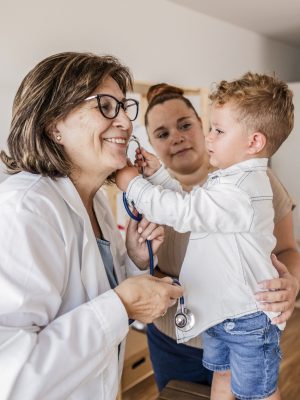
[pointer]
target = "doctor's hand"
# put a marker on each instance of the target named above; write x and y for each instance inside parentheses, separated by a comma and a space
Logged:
(136, 236)
(146, 297)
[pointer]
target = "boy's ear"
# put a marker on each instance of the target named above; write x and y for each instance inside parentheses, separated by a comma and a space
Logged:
(257, 142)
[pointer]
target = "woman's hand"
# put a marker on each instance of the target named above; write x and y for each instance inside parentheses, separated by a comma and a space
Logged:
(136, 236)
(147, 162)
(281, 293)
(146, 297)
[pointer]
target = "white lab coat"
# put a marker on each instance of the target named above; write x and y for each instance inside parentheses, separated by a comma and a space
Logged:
(60, 323)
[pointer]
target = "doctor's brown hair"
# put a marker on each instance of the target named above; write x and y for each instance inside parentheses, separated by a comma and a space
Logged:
(53, 88)
(263, 103)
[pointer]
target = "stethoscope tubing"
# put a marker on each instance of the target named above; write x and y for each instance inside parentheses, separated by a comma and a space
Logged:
(138, 218)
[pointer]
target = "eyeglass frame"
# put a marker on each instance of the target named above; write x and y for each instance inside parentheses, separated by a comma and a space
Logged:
(118, 106)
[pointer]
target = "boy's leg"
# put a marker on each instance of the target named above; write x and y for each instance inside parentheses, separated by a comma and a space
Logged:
(221, 386)
(274, 396)
(254, 357)
(216, 357)
(249, 347)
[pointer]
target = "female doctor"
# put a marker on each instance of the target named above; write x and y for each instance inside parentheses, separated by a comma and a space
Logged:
(64, 300)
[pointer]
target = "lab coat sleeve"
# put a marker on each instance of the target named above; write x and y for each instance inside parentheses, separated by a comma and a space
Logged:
(225, 208)
(43, 356)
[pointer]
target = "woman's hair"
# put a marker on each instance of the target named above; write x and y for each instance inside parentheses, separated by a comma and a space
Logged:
(49, 92)
(263, 104)
(158, 94)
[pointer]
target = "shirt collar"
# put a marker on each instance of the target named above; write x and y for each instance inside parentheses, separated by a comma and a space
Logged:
(244, 166)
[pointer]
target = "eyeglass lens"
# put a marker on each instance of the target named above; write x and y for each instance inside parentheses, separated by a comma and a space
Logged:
(110, 107)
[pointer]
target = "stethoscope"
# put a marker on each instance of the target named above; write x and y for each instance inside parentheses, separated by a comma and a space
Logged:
(184, 319)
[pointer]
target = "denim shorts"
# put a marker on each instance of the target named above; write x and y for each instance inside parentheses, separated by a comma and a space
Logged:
(249, 347)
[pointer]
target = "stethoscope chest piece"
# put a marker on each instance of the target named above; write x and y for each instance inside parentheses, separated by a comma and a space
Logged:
(184, 319)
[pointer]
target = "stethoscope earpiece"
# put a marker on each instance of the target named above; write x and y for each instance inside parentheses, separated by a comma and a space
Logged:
(134, 139)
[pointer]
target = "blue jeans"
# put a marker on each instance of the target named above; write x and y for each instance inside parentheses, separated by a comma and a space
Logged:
(249, 347)
(175, 361)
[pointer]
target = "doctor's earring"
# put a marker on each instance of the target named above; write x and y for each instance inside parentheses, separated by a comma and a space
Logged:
(58, 138)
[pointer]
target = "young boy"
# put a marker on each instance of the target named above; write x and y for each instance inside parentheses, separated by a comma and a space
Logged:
(231, 223)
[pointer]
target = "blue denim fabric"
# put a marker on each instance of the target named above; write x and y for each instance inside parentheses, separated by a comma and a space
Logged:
(175, 361)
(249, 347)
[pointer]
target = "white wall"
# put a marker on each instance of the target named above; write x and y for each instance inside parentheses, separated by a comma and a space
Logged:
(160, 41)
(286, 161)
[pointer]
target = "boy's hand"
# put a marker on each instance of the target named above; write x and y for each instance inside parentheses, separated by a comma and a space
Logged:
(148, 161)
(124, 176)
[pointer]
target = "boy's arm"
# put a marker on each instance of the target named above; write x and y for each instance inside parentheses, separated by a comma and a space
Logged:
(149, 165)
(164, 179)
(124, 176)
(225, 209)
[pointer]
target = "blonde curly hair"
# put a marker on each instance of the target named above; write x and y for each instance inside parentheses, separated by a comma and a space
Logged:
(263, 104)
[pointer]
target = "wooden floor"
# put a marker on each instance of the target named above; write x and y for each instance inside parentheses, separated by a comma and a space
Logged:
(289, 381)
(146, 390)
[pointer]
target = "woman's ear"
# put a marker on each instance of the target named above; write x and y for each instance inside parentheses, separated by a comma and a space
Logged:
(257, 143)
(54, 133)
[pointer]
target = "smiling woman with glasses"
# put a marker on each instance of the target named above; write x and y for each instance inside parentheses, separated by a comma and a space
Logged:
(65, 286)
(109, 106)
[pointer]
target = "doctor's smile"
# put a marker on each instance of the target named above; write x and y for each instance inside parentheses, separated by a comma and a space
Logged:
(74, 285)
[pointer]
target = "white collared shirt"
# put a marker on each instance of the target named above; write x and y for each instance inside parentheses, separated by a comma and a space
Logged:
(231, 225)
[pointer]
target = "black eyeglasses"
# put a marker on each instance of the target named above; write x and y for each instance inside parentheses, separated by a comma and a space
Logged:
(109, 106)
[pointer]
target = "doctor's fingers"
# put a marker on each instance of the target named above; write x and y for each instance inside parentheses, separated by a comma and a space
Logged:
(174, 291)
(146, 297)
(156, 237)
(149, 230)
(163, 299)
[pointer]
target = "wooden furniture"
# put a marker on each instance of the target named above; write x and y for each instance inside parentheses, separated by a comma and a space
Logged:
(289, 382)
(182, 390)
(137, 364)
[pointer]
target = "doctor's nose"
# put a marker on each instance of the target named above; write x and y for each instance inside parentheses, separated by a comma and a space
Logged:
(122, 121)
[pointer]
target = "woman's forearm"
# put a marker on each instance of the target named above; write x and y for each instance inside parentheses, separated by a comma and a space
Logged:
(291, 259)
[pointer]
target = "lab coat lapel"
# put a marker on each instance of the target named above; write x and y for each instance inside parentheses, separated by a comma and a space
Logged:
(93, 272)
(106, 220)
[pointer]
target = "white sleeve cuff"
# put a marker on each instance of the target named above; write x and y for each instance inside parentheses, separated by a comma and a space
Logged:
(159, 177)
(112, 316)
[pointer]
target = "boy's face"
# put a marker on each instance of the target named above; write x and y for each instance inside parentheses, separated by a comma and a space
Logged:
(227, 142)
